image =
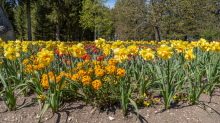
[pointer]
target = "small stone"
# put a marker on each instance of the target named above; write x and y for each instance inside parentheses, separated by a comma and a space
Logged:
(111, 118)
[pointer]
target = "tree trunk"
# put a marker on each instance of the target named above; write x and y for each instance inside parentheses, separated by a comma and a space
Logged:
(29, 20)
(58, 30)
(82, 35)
(157, 34)
(42, 32)
(95, 28)
(185, 38)
(95, 34)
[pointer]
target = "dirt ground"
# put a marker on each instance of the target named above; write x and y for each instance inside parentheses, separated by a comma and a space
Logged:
(76, 111)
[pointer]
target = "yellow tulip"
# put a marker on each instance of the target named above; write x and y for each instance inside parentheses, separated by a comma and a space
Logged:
(147, 54)
(11, 54)
(25, 48)
(194, 43)
(78, 50)
(45, 56)
(205, 46)
(216, 47)
(189, 55)
(133, 49)
(100, 43)
(62, 48)
(121, 54)
(165, 52)
(180, 47)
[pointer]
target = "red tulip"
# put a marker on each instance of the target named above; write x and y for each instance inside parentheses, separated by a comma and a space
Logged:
(88, 57)
(61, 55)
(68, 62)
(102, 57)
(64, 60)
(98, 58)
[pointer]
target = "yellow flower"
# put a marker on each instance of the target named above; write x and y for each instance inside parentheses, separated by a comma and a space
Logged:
(112, 61)
(97, 84)
(1, 40)
(100, 43)
(165, 52)
(216, 47)
(49, 45)
(42, 97)
(116, 44)
(90, 72)
(121, 72)
(110, 69)
(189, 55)
(44, 81)
(99, 72)
(11, 54)
(45, 56)
(18, 48)
(133, 49)
(121, 54)
(62, 48)
(86, 80)
(107, 49)
(25, 48)
(147, 54)
(78, 50)
(146, 103)
(75, 77)
(194, 44)
(82, 72)
(106, 79)
(163, 41)
(202, 41)
(180, 47)
(41, 65)
(205, 46)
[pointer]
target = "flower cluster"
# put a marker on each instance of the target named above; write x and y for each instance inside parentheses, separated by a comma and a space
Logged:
(97, 84)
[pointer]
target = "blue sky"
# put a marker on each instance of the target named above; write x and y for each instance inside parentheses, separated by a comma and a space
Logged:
(110, 3)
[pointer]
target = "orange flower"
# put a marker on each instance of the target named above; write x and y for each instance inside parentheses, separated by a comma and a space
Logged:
(97, 84)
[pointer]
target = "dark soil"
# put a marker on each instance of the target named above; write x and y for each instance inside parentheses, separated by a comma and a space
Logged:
(76, 111)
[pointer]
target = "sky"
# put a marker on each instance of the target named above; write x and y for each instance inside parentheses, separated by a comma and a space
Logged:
(111, 3)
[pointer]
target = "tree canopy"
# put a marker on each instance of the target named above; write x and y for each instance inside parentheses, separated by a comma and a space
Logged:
(77, 20)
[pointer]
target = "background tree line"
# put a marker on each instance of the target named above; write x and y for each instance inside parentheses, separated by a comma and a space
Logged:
(77, 20)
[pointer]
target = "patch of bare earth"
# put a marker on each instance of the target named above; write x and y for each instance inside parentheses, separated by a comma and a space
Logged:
(76, 111)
